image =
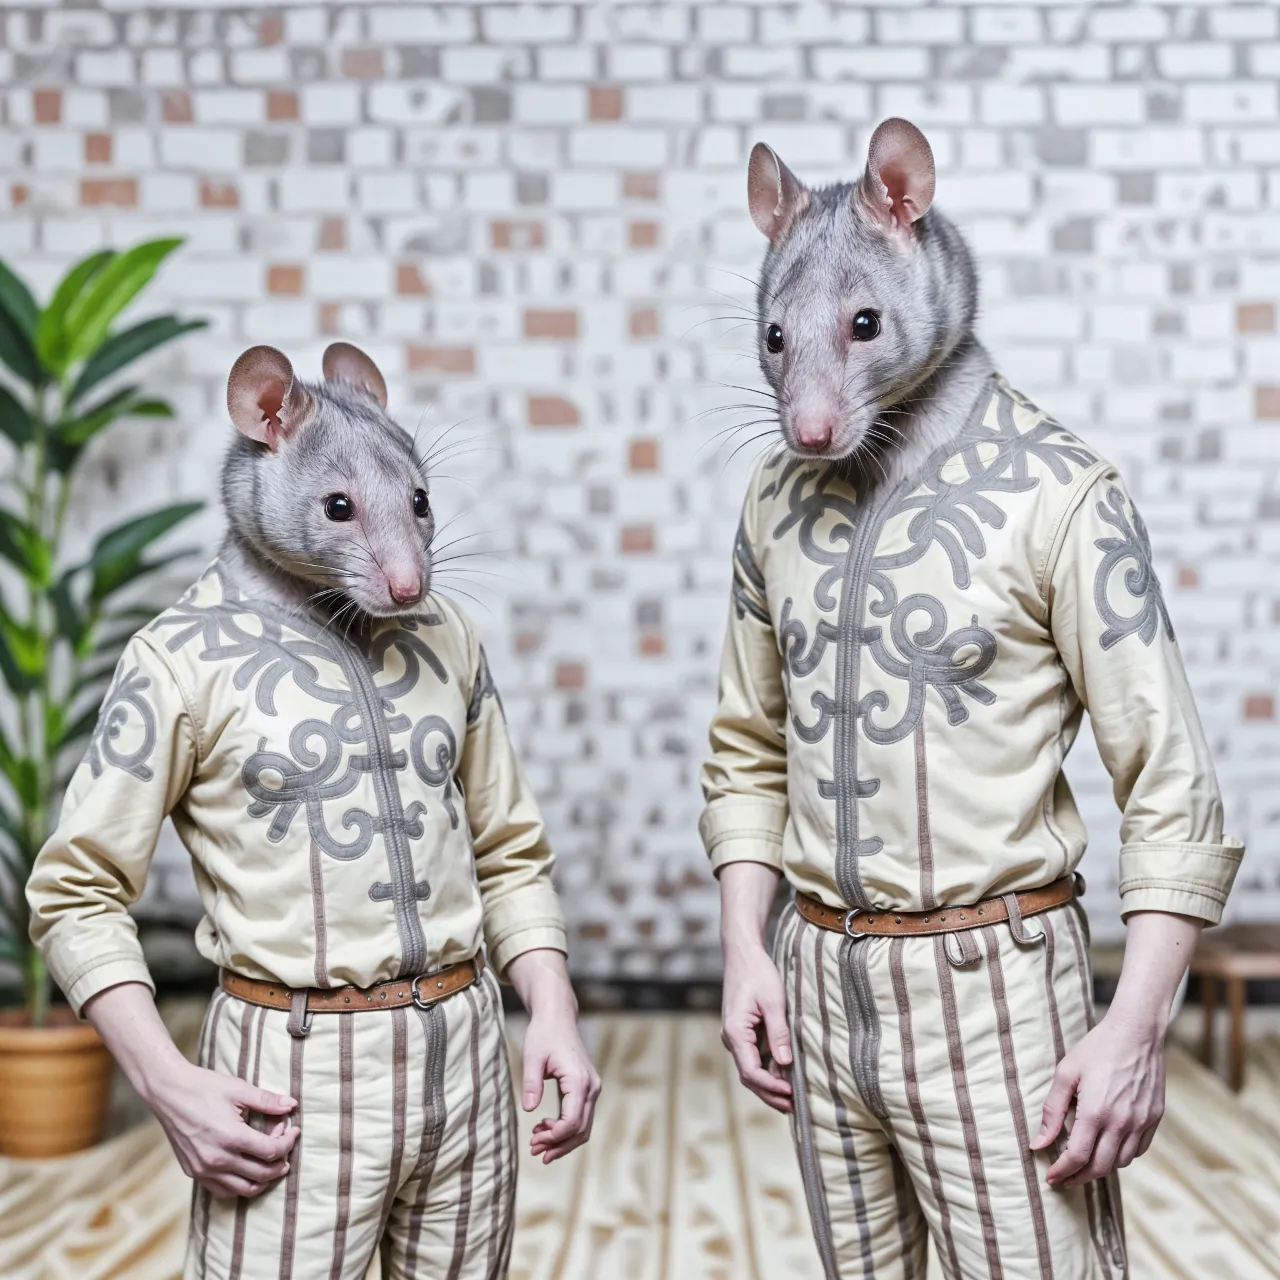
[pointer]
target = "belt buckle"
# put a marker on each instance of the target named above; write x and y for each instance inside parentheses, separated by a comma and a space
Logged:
(419, 1001)
(855, 934)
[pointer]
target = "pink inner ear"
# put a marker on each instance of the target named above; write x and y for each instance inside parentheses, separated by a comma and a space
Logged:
(902, 205)
(900, 174)
(271, 401)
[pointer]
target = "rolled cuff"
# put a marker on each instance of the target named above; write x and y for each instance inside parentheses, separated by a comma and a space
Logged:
(1185, 879)
(524, 920)
(110, 971)
(744, 829)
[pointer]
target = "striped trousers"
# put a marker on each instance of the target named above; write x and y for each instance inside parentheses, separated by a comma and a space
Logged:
(407, 1145)
(921, 1069)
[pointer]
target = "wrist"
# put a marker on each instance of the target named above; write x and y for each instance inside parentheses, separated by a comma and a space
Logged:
(742, 945)
(541, 978)
(157, 1076)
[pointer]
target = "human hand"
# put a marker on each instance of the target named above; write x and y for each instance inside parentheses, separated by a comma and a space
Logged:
(203, 1114)
(1116, 1076)
(754, 999)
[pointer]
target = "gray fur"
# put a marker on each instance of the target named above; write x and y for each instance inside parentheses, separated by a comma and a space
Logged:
(279, 535)
(900, 395)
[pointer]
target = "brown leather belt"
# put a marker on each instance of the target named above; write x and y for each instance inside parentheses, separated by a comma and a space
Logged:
(423, 991)
(894, 924)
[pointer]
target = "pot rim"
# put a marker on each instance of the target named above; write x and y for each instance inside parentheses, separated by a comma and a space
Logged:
(61, 1037)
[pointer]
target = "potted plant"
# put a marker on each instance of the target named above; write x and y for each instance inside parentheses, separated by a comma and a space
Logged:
(62, 627)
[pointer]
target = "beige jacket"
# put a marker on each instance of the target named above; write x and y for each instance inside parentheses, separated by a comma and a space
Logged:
(355, 812)
(903, 677)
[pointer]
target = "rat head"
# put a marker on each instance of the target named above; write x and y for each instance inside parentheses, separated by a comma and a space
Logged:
(323, 485)
(864, 292)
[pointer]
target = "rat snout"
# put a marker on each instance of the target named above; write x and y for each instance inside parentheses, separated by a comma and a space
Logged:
(404, 585)
(814, 427)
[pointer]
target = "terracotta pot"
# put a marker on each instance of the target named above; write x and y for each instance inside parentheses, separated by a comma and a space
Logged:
(54, 1085)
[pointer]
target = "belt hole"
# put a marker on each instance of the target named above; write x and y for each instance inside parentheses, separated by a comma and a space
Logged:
(440, 984)
(346, 999)
(382, 995)
(926, 920)
(980, 911)
(897, 919)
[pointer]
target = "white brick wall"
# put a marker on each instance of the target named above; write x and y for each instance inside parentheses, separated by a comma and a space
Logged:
(532, 215)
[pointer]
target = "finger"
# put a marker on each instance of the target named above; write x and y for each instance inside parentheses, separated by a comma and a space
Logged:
(251, 1170)
(777, 1101)
(1079, 1149)
(1148, 1136)
(573, 1098)
(752, 1072)
(1056, 1106)
(266, 1147)
(776, 1031)
(1102, 1161)
(225, 1186)
(251, 1097)
(1128, 1150)
(535, 1071)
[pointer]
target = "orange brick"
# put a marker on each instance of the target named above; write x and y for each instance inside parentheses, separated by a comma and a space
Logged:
(605, 103)
(518, 235)
(362, 64)
(1256, 317)
(1188, 577)
(271, 29)
(643, 455)
(570, 675)
(442, 359)
(409, 280)
(643, 323)
(642, 235)
(333, 235)
(637, 538)
(117, 191)
(281, 105)
(48, 106)
(1266, 402)
(528, 641)
(640, 186)
(652, 645)
(175, 106)
(645, 928)
(219, 195)
(285, 280)
(97, 148)
(330, 318)
(19, 194)
(552, 411)
(1260, 706)
(593, 932)
(550, 324)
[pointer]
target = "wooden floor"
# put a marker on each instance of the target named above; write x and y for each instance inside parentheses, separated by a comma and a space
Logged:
(687, 1178)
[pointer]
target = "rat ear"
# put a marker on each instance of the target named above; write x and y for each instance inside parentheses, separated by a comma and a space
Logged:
(774, 193)
(265, 401)
(897, 188)
(344, 363)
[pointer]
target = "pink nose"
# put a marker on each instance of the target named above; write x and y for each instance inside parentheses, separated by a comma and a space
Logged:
(405, 588)
(814, 430)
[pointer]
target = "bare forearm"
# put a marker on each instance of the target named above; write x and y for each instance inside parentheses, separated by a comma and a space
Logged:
(747, 890)
(1157, 952)
(541, 979)
(127, 1020)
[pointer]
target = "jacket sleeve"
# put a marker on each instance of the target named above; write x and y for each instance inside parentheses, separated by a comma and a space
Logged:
(513, 859)
(94, 866)
(1112, 629)
(745, 779)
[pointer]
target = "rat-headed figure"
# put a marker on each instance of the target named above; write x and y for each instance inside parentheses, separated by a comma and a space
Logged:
(327, 738)
(932, 582)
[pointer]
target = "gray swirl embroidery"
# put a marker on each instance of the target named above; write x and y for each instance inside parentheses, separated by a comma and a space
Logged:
(124, 701)
(483, 688)
(438, 773)
(1132, 546)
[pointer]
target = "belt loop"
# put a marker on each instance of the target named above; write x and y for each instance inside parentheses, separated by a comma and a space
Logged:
(963, 938)
(299, 1016)
(1078, 884)
(1016, 926)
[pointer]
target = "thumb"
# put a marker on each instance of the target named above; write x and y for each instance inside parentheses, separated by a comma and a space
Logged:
(777, 1032)
(1056, 1106)
(255, 1099)
(535, 1066)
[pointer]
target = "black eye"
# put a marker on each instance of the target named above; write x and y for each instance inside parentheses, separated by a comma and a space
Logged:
(421, 507)
(337, 506)
(773, 339)
(866, 325)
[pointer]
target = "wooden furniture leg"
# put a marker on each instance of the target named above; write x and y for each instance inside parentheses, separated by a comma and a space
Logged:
(1209, 1003)
(1235, 1047)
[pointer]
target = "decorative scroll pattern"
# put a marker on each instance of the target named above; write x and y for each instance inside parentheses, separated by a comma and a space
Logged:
(1132, 546)
(125, 702)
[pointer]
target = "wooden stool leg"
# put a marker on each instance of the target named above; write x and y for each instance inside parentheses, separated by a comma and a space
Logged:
(1235, 1048)
(1209, 1002)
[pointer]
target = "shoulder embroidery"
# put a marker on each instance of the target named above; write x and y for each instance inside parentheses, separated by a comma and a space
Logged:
(125, 711)
(483, 688)
(1131, 546)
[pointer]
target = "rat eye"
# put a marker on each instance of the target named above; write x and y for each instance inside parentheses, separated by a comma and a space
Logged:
(337, 506)
(421, 507)
(773, 339)
(866, 325)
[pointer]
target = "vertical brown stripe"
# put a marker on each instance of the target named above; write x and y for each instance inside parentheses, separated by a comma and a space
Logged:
(346, 1132)
(1016, 1109)
(498, 1186)
(908, 1217)
(467, 1175)
(211, 1058)
(242, 1205)
(924, 836)
(960, 1081)
(1050, 996)
(508, 1133)
(842, 1115)
(399, 1094)
(802, 1122)
(911, 1081)
(435, 1027)
(289, 1229)
(321, 969)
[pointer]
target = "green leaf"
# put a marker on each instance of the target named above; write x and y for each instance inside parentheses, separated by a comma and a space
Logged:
(17, 352)
(15, 421)
(51, 339)
(125, 347)
(22, 652)
(90, 316)
(79, 430)
(116, 557)
(67, 614)
(23, 547)
(152, 409)
(16, 300)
